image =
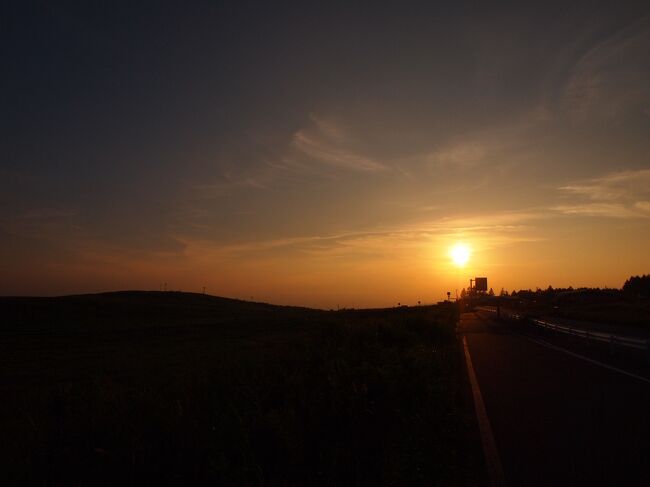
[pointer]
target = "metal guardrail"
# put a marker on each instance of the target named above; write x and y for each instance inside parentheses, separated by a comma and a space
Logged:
(621, 340)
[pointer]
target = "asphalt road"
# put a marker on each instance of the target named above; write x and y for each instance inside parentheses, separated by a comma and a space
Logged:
(557, 419)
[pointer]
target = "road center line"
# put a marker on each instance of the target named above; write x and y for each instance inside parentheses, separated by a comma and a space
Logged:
(587, 359)
(494, 467)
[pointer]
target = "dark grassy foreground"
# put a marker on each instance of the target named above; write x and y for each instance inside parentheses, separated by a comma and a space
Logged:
(150, 388)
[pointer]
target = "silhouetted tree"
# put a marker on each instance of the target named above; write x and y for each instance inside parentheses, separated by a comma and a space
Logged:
(638, 285)
(463, 293)
(491, 292)
(503, 292)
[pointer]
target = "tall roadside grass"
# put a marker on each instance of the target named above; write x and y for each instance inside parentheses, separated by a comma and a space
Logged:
(356, 398)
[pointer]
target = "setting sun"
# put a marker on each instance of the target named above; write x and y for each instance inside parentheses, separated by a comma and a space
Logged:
(460, 254)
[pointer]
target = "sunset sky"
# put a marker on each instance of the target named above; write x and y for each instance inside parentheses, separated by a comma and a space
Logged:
(323, 154)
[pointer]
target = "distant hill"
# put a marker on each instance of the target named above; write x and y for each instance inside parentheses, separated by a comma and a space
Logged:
(128, 310)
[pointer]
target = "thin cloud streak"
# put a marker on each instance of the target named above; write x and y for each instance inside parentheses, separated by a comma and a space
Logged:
(611, 78)
(317, 152)
(227, 186)
(622, 194)
(498, 229)
(612, 186)
(607, 210)
(326, 143)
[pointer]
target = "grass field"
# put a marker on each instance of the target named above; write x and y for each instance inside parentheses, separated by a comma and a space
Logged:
(133, 388)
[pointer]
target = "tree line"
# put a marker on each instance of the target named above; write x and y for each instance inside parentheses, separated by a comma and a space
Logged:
(637, 286)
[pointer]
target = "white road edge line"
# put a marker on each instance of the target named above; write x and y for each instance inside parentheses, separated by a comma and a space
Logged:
(587, 359)
(492, 460)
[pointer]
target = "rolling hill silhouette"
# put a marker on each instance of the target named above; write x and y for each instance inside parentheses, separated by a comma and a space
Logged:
(133, 310)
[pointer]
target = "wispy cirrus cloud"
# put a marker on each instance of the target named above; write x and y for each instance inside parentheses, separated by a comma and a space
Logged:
(228, 183)
(611, 77)
(643, 206)
(498, 147)
(321, 150)
(608, 210)
(327, 143)
(462, 155)
(397, 242)
(622, 194)
(612, 186)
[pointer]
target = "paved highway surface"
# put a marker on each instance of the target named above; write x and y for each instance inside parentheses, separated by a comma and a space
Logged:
(558, 419)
